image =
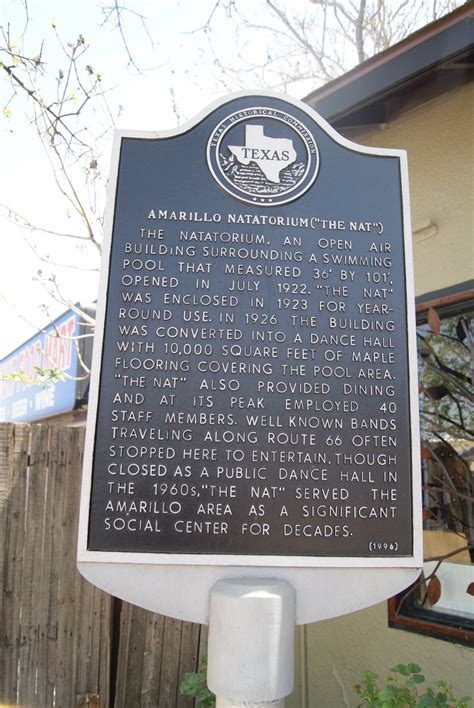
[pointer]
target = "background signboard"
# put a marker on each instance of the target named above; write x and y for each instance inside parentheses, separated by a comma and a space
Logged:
(253, 401)
(52, 348)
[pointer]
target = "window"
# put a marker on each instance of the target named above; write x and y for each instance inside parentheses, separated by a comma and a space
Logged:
(441, 602)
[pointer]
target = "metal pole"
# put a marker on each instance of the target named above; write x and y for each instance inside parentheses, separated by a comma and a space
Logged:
(251, 642)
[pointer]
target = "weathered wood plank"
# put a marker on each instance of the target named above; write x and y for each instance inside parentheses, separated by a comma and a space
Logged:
(6, 511)
(105, 653)
(93, 624)
(203, 636)
(202, 653)
(87, 616)
(63, 644)
(32, 554)
(6, 480)
(55, 492)
(92, 642)
(15, 540)
(18, 447)
(95, 638)
(152, 660)
(131, 656)
(122, 657)
(188, 658)
(82, 635)
(136, 651)
(170, 663)
(65, 667)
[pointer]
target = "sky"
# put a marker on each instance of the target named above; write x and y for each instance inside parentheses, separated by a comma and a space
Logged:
(177, 77)
(171, 52)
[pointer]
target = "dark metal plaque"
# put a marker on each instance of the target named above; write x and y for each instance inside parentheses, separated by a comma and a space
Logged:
(254, 386)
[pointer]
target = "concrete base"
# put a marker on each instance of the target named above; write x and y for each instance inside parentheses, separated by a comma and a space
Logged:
(251, 642)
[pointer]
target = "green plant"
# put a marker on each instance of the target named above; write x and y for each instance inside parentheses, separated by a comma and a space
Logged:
(41, 377)
(402, 689)
(195, 684)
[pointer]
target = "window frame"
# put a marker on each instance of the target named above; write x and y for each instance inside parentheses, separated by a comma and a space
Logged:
(443, 626)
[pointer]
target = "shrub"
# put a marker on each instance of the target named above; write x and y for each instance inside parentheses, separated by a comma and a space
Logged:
(195, 684)
(402, 688)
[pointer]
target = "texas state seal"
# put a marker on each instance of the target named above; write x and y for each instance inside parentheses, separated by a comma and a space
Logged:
(263, 156)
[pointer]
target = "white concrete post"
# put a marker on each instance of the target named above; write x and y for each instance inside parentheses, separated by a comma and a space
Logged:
(251, 642)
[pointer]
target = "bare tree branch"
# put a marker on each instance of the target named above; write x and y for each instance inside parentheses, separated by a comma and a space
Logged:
(117, 11)
(359, 31)
(21, 221)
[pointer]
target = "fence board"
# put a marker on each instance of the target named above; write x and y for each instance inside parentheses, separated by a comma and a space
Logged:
(9, 509)
(105, 652)
(82, 636)
(13, 559)
(188, 658)
(131, 653)
(202, 653)
(152, 660)
(57, 629)
(87, 621)
(69, 581)
(122, 656)
(170, 663)
(31, 581)
(91, 678)
(56, 490)
(203, 643)
(6, 433)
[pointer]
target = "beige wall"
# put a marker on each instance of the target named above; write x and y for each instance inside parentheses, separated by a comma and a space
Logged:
(338, 650)
(438, 138)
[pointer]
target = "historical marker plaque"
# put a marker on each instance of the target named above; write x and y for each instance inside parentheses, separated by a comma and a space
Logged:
(253, 395)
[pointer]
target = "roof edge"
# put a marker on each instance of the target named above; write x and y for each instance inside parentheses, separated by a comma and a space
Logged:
(458, 30)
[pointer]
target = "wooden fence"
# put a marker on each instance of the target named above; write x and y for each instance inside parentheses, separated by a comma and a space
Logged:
(64, 642)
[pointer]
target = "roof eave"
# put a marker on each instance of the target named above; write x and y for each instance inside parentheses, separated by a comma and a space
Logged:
(422, 53)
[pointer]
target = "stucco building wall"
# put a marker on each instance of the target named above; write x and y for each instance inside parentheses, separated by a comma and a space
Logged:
(338, 650)
(438, 137)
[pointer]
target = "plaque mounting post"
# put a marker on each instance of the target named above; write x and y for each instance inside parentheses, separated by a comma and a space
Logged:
(251, 642)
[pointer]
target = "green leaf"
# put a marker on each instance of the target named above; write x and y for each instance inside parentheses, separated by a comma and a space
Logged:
(397, 692)
(401, 669)
(414, 668)
(427, 701)
(387, 693)
(370, 675)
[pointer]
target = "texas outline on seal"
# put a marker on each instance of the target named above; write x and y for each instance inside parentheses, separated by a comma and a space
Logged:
(263, 156)
(271, 155)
